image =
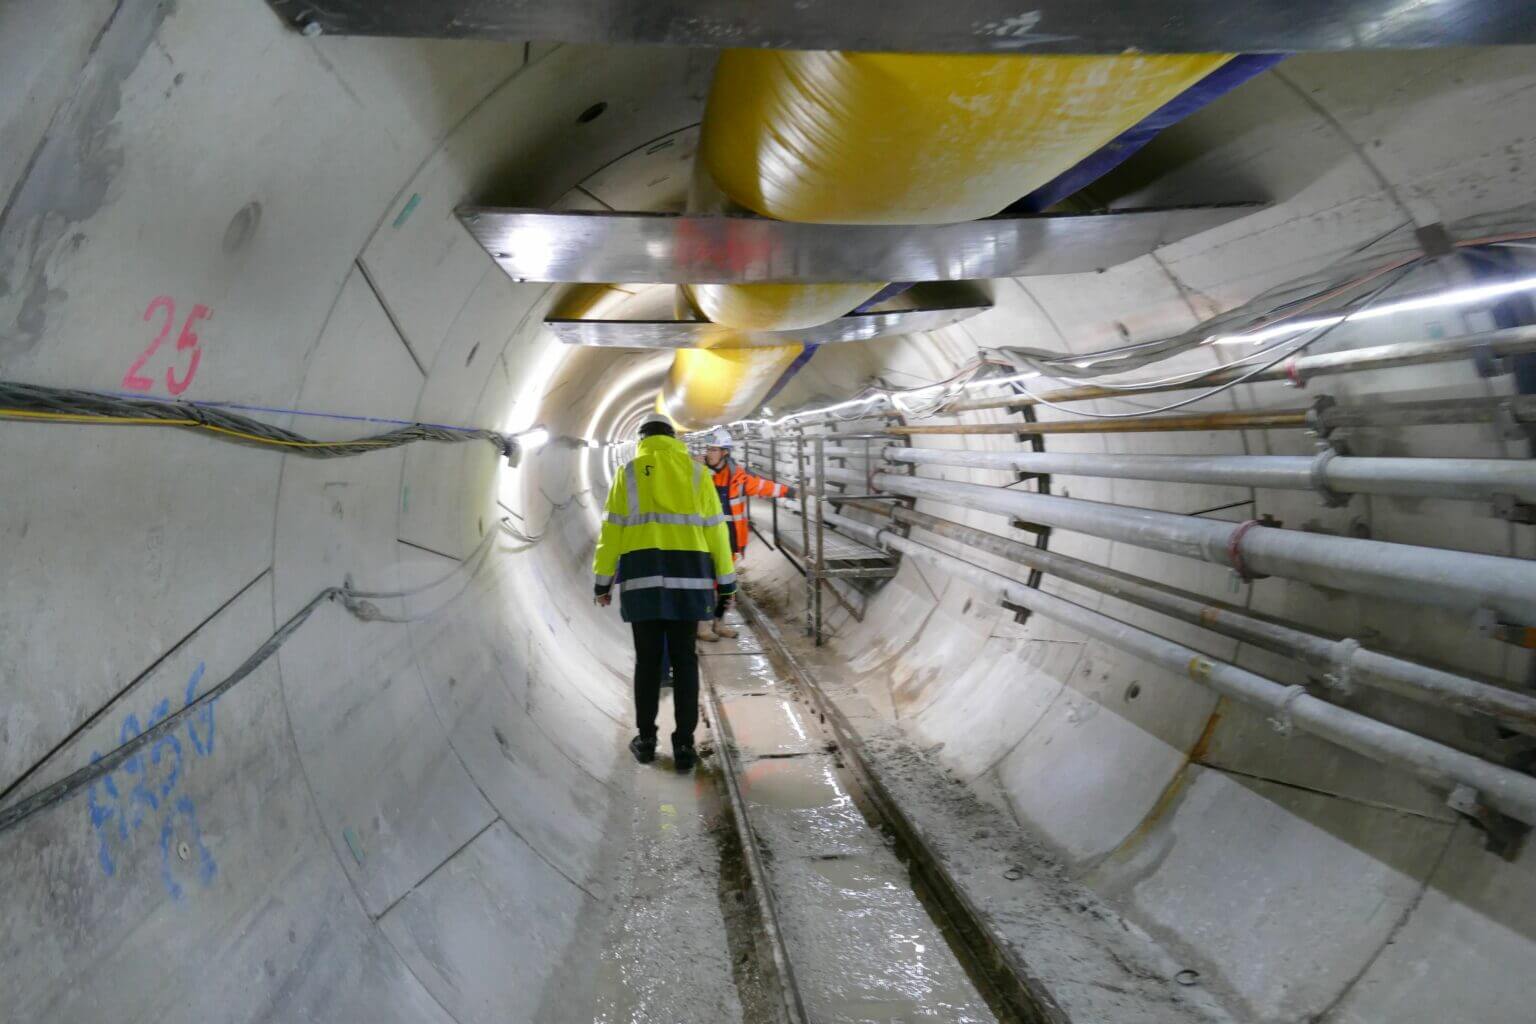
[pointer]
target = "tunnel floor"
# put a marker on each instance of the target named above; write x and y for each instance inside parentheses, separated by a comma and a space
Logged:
(687, 941)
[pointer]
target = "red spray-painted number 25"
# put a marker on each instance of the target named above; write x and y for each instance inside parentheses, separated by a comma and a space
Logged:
(186, 340)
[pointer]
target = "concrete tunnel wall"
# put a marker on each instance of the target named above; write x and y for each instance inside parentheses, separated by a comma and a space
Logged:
(407, 821)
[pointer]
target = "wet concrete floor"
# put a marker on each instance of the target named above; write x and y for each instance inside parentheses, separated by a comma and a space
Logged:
(861, 945)
(684, 942)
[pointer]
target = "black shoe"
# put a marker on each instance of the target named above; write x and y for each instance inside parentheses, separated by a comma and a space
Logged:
(684, 757)
(643, 749)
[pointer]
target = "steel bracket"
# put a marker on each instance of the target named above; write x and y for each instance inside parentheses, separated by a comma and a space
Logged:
(1340, 676)
(1318, 418)
(1488, 364)
(1434, 240)
(1508, 423)
(663, 248)
(1508, 507)
(1503, 836)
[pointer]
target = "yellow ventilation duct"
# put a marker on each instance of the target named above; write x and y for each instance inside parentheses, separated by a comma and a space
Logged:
(875, 138)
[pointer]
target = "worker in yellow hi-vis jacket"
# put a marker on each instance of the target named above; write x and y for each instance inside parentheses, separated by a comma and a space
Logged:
(664, 544)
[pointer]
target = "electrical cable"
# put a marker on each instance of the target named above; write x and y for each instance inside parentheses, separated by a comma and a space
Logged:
(38, 402)
(1129, 357)
(1321, 333)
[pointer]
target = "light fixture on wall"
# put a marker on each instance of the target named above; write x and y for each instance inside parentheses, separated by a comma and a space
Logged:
(1434, 300)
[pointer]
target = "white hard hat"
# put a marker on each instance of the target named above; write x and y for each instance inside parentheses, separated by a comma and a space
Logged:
(721, 438)
(656, 419)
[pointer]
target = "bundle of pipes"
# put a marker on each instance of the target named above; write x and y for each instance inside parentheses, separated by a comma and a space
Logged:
(1458, 580)
(1321, 418)
(1330, 474)
(1344, 661)
(1462, 581)
(1442, 767)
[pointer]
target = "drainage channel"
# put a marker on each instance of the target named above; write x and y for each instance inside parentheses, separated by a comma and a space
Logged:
(856, 934)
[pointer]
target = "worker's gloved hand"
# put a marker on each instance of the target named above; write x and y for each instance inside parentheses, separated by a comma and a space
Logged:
(603, 600)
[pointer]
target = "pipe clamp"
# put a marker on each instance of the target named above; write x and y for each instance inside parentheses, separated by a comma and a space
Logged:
(1235, 551)
(1281, 719)
(1340, 678)
(1319, 477)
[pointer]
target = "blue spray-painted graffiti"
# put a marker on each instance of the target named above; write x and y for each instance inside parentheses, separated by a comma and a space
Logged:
(147, 793)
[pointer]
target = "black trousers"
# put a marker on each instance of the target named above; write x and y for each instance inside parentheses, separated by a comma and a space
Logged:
(653, 642)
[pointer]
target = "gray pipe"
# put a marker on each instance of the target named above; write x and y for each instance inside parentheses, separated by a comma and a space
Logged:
(1464, 479)
(1345, 661)
(1440, 766)
(1458, 580)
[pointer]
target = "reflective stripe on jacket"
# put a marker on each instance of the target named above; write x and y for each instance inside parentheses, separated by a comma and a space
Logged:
(664, 538)
(733, 485)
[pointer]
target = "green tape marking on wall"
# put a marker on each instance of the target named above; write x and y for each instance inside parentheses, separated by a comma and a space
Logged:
(353, 845)
(408, 209)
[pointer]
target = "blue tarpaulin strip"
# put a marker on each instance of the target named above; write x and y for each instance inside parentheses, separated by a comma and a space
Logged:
(1214, 85)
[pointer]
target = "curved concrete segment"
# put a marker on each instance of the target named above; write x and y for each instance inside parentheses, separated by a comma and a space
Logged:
(421, 809)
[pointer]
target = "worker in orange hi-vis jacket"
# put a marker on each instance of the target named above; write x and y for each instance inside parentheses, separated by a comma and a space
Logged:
(734, 484)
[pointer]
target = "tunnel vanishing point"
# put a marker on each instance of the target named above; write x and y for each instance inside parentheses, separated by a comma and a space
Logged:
(1147, 640)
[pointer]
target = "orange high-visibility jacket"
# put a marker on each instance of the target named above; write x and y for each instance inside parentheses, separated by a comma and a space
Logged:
(734, 484)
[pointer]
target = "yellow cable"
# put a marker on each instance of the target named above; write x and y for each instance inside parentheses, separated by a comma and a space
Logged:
(288, 444)
(71, 417)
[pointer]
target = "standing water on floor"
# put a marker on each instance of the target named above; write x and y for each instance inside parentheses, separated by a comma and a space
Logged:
(861, 946)
(682, 942)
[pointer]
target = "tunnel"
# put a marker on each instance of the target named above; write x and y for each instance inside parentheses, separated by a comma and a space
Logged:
(1227, 722)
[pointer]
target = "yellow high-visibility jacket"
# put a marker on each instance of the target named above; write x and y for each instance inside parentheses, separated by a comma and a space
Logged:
(664, 537)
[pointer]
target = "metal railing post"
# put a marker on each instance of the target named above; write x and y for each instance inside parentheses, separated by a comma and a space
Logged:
(821, 527)
(773, 464)
(805, 534)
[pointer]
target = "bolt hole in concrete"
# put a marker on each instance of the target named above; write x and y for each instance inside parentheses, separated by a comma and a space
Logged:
(1013, 874)
(1133, 691)
(1187, 977)
(242, 226)
(592, 113)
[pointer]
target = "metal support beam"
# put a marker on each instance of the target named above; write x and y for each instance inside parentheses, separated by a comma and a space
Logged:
(671, 334)
(959, 26)
(664, 248)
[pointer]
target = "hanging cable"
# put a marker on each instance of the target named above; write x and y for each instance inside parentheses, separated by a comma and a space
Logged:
(1318, 335)
(355, 601)
(36, 402)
